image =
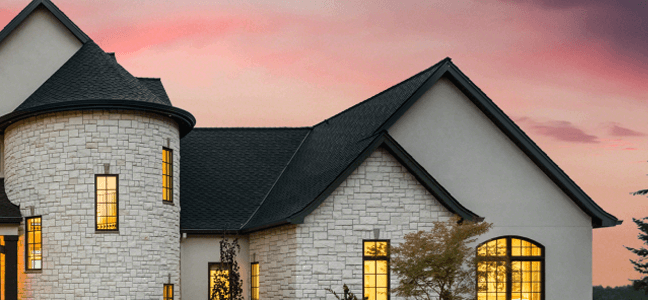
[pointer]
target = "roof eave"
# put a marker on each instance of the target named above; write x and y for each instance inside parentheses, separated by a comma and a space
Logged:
(16, 21)
(186, 121)
(11, 220)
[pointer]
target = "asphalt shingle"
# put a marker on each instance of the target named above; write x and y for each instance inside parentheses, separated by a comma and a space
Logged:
(8, 211)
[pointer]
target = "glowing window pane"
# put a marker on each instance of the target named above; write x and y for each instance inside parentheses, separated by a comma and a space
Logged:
(167, 175)
(376, 269)
(168, 292)
(219, 277)
(106, 203)
(34, 243)
(255, 281)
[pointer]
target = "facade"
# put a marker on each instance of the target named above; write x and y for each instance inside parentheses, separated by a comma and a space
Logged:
(109, 192)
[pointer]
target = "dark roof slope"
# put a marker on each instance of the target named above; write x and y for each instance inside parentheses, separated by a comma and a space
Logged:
(17, 20)
(155, 85)
(9, 213)
(227, 172)
(90, 74)
(332, 146)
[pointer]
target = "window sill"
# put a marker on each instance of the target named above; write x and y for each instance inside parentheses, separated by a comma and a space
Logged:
(34, 271)
(168, 202)
(107, 231)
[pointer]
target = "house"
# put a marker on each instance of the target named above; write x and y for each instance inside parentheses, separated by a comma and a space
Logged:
(110, 192)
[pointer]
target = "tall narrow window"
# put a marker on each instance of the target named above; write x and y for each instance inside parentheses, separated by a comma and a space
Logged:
(510, 268)
(34, 249)
(168, 292)
(107, 203)
(167, 175)
(255, 281)
(219, 281)
(376, 269)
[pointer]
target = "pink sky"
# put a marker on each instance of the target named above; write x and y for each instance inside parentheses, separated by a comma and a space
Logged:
(571, 73)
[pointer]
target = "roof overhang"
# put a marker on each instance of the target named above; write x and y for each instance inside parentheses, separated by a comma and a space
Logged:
(185, 120)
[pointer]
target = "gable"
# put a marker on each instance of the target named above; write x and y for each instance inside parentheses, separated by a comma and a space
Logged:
(32, 47)
(472, 158)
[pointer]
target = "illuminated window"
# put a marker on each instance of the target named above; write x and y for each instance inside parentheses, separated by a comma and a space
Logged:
(167, 175)
(106, 203)
(168, 292)
(376, 269)
(255, 281)
(219, 281)
(510, 268)
(34, 249)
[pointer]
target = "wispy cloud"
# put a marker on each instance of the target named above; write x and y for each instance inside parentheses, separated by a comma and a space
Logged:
(560, 130)
(616, 130)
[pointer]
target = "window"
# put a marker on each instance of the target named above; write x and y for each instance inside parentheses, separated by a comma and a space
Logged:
(510, 268)
(106, 198)
(34, 249)
(167, 175)
(168, 292)
(255, 281)
(376, 269)
(219, 280)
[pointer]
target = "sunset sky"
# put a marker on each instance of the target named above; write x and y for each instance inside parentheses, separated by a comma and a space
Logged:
(572, 74)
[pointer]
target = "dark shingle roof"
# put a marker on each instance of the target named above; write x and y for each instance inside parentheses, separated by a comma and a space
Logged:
(155, 85)
(90, 74)
(330, 148)
(226, 172)
(9, 213)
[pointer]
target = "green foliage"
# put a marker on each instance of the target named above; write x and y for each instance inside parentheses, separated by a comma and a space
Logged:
(229, 284)
(438, 264)
(347, 294)
(641, 264)
(618, 293)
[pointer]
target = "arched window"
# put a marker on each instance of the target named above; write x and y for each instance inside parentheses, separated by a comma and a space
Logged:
(510, 268)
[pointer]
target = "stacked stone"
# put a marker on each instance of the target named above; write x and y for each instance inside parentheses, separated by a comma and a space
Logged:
(50, 165)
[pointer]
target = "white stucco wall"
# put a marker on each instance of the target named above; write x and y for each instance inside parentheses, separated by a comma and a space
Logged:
(197, 251)
(30, 55)
(467, 154)
(51, 162)
(379, 194)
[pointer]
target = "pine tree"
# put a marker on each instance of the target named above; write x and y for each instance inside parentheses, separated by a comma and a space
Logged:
(641, 264)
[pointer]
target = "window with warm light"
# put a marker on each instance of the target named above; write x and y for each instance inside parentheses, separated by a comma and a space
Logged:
(219, 276)
(255, 281)
(168, 292)
(167, 175)
(510, 268)
(375, 273)
(107, 203)
(34, 245)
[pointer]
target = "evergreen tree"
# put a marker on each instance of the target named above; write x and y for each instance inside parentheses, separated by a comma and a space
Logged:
(641, 264)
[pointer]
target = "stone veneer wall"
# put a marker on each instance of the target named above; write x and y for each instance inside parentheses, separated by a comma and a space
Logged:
(274, 250)
(379, 194)
(51, 162)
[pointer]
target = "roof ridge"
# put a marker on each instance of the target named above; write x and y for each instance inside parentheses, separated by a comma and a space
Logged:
(385, 91)
(275, 182)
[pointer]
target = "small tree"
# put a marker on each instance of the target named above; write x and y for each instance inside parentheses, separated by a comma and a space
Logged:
(347, 294)
(228, 284)
(641, 265)
(439, 264)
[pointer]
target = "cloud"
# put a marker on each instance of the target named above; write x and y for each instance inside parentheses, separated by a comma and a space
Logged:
(617, 130)
(619, 24)
(559, 130)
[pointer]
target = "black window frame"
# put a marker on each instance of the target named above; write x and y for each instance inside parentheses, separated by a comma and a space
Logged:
(508, 259)
(27, 242)
(220, 265)
(168, 176)
(116, 203)
(387, 258)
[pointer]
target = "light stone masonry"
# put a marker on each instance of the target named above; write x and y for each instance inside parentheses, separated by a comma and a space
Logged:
(300, 261)
(51, 162)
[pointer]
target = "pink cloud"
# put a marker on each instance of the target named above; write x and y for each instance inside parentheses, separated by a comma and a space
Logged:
(617, 130)
(560, 130)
